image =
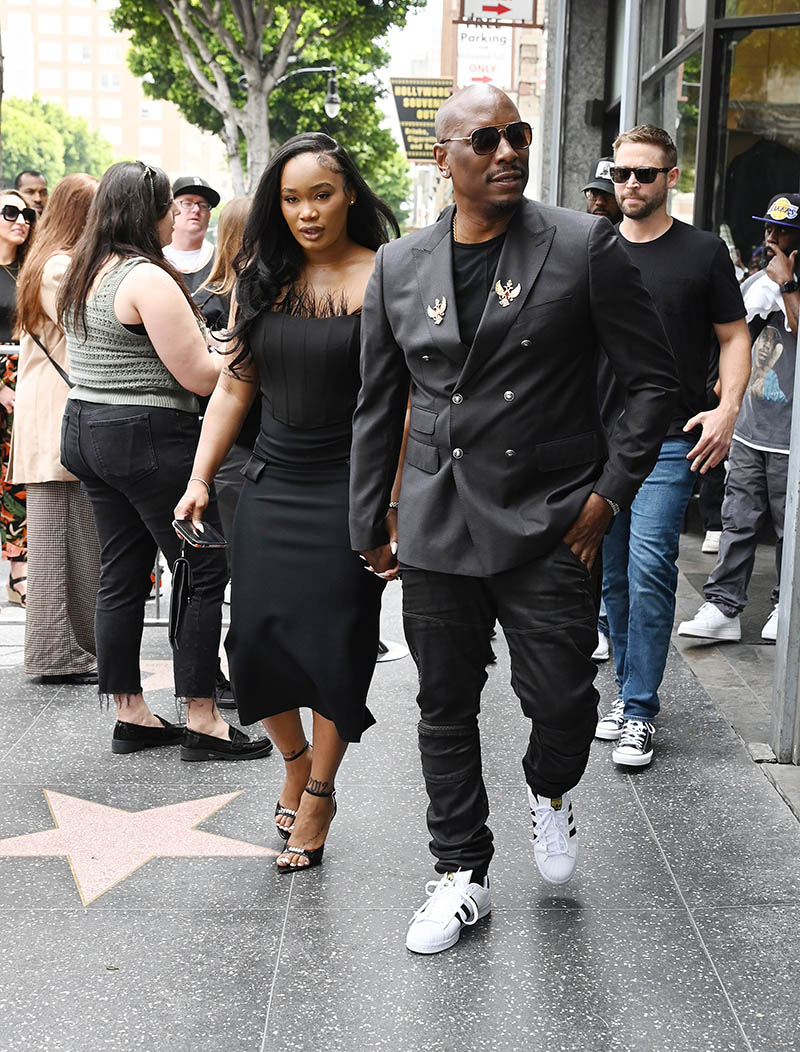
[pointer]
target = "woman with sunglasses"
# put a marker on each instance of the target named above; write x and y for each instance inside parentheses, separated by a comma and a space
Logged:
(138, 358)
(304, 613)
(16, 223)
(63, 551)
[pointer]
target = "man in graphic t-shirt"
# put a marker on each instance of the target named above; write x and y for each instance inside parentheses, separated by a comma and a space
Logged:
(690, 276)
(759, 457)
(189, 251)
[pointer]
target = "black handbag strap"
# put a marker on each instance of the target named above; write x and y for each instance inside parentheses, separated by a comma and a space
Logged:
(52, 360)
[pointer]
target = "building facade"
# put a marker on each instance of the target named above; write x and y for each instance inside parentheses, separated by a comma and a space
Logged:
(722, 76)
(67, 52)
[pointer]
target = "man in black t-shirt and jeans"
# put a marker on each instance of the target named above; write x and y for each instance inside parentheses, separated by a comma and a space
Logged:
(690, 277)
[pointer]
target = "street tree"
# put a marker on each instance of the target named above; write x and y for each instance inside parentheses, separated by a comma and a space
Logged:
(220, 62)
(43, 136)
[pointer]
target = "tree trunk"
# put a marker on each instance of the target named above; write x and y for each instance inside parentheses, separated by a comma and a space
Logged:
(230, 136)
(255, 126)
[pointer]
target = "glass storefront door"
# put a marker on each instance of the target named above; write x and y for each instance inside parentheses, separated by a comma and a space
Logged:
(672, 102)
(758, 148)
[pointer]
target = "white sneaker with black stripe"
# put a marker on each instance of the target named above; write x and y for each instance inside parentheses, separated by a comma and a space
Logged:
(635, 745)
(454, 902)
(555, 838)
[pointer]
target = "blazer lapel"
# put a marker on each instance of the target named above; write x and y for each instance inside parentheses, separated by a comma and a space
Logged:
(434, 265)
(525, 249)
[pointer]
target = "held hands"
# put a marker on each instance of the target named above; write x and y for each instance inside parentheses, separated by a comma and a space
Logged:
(713, 445)
(781, 268)
(586, 534)
(383, 561)
(193, 503)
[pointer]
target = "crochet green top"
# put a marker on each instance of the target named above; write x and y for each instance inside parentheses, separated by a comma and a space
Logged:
(115, 366)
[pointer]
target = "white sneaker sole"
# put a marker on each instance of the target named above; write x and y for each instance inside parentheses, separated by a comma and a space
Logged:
(722, 635)
(427, 951)
(626, 759)
(607, 734)
(565, 880)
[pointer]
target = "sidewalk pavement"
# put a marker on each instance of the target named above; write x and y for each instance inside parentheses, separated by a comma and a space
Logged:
(129, 928)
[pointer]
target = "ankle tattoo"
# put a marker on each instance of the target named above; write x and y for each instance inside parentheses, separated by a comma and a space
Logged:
(295, 755)
(319, 788)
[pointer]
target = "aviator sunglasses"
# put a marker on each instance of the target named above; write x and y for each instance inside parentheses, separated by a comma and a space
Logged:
(11, 214)
(486, 140)
(643, 175)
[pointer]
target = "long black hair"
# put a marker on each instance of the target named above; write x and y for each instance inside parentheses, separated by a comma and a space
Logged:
(271, 260)
(123, 220)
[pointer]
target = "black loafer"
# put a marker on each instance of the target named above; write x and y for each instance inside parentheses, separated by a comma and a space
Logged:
(74, 679)
(130, 737)
(205, 747)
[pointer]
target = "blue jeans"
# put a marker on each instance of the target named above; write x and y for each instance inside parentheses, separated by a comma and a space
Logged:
(640, 575)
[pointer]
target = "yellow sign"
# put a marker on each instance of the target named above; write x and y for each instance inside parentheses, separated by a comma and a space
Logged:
(417, 100)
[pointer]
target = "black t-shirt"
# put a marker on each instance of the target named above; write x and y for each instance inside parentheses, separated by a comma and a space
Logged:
(8, 300)
(690, 276)
(474, 268)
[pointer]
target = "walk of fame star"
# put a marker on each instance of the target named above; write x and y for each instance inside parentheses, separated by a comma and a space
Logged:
(104, 845)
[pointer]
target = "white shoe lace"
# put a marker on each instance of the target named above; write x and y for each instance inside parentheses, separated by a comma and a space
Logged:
(549, 830)
(446, 899)
(615, 713)
(634, 733)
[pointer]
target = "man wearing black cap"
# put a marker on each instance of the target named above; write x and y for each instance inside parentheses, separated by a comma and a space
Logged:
(599, 191)
(759, 456)
(189, 252)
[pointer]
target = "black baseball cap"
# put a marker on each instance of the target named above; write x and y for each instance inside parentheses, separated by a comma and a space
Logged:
(784, 210)
(600, 176)
(195, 184)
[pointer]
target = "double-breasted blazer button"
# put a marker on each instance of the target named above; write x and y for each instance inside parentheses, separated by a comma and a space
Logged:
(458, 453)
(525, 343)
(457, 399)
(511, 452)
(508, 395)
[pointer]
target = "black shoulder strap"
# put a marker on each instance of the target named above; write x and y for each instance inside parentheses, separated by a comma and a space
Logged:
(52, 361)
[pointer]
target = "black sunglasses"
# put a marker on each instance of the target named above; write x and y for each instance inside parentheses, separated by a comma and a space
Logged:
(486, 140)
(643, 175)
(11, 214)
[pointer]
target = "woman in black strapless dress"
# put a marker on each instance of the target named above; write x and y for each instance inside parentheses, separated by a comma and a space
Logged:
(304, 612)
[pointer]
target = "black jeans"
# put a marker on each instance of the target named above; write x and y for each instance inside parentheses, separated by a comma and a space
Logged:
(134, 462)
(548, 611)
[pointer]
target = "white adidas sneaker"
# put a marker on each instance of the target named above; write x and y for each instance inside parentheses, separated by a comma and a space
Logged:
(555, 838)
(454, 902)
(710, 623)
(770, 629)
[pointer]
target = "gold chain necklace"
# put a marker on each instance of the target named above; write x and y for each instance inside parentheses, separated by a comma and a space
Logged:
(10, 273)
(455, 234)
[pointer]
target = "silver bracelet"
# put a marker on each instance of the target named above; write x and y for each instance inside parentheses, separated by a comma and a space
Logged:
(394, 504)
(196, 478)
(615, 508)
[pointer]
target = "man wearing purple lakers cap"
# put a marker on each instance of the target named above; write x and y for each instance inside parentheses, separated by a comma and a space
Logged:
(759, 456)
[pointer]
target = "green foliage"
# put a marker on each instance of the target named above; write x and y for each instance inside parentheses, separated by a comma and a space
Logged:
(341, 31)
(43, 136)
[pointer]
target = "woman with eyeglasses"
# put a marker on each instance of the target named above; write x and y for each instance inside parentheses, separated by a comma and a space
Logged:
(304, 611)
(138, 359)
(16, 223)
(63, 551)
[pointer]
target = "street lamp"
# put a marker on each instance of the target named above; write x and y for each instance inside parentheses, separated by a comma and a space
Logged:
(332, 101)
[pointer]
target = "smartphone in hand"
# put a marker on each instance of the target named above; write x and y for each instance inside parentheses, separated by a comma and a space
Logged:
(209, 538)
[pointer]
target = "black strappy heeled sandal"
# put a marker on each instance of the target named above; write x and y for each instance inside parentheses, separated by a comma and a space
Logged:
(283, 831)
(314, 855)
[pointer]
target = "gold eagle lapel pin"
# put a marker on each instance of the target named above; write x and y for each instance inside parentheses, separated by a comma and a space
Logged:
(506, 293)
(436, 312)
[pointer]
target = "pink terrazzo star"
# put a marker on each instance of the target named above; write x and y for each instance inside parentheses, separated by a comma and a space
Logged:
(104, 845)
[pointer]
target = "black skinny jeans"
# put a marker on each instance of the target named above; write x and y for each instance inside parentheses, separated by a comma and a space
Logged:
(548, 611)
(134, 462)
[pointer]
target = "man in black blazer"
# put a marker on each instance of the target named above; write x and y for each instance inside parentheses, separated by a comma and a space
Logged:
(492, 317)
